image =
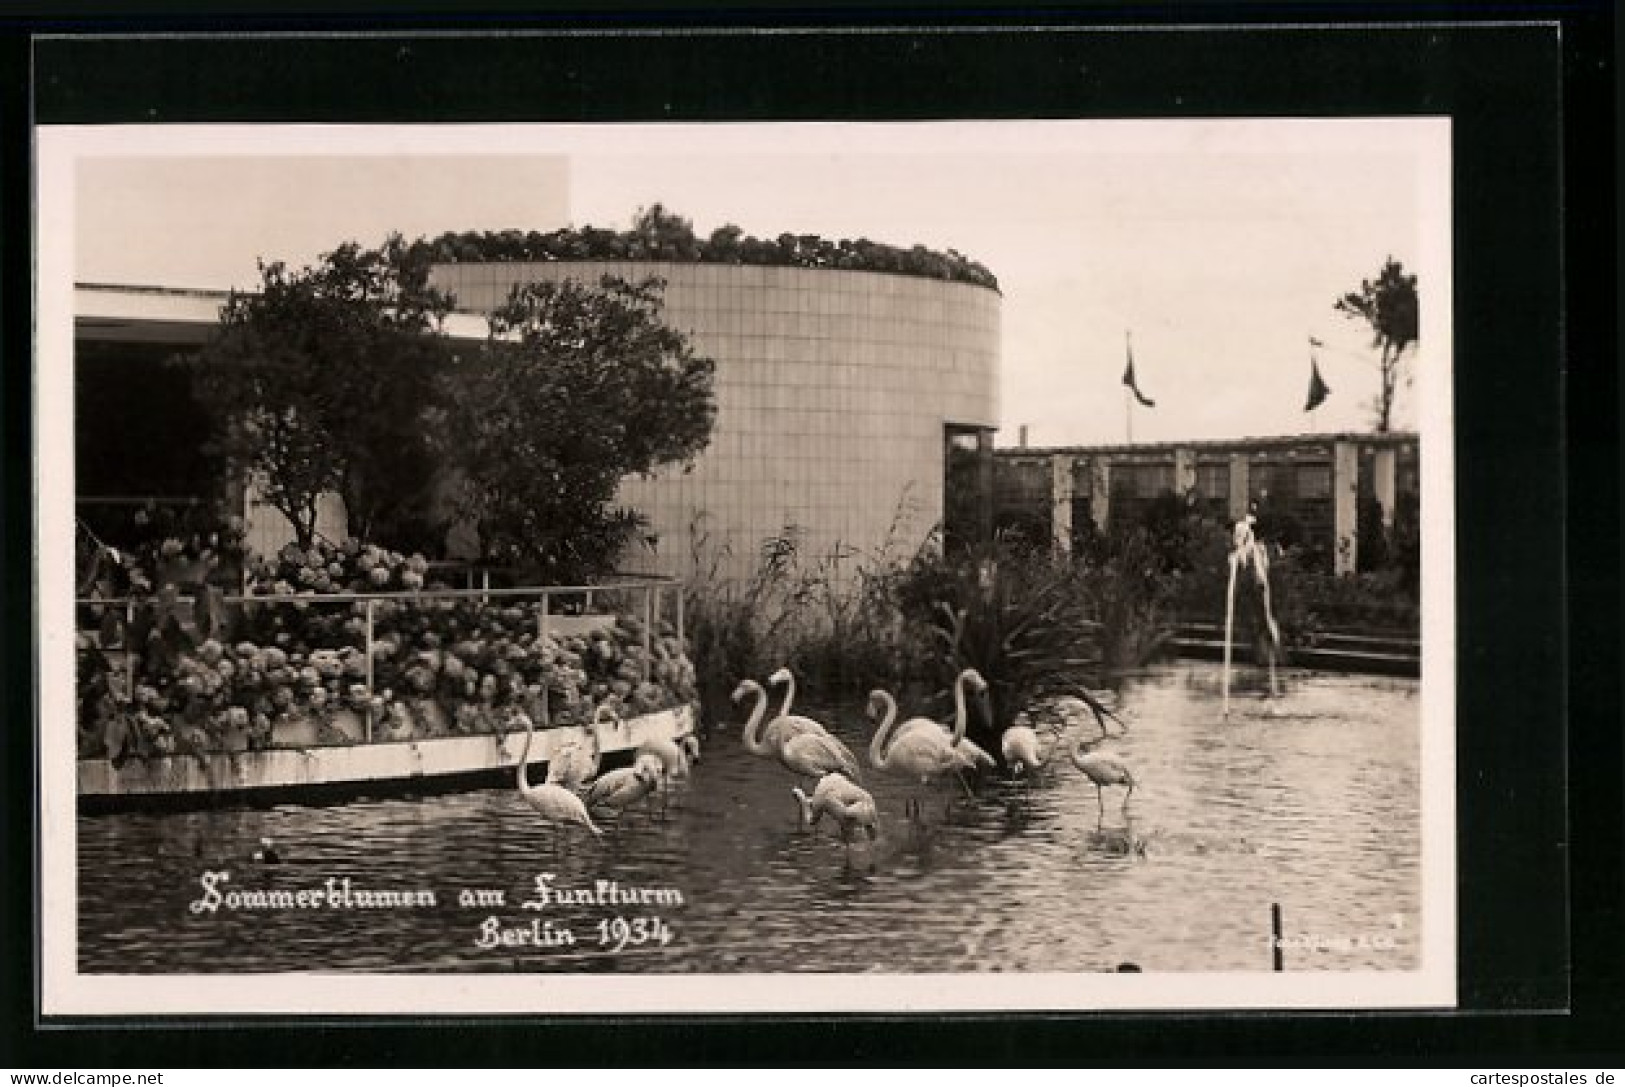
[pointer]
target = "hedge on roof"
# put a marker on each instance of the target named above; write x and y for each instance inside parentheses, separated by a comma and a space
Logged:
(657, 234)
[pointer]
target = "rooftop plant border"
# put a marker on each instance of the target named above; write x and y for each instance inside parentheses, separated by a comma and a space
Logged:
(726, 245)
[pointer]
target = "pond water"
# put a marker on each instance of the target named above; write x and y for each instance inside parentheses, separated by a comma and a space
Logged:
(1315, 807)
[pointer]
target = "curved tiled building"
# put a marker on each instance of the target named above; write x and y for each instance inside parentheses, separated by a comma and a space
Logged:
(837, 393)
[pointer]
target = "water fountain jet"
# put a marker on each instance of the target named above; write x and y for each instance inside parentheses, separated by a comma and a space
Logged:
(1247, 552)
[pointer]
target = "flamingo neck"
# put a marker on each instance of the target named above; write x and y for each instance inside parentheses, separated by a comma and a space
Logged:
(789, 695)
(959, 709)
(806, 806)
(524, 755)
(753, 727)
(877, 746)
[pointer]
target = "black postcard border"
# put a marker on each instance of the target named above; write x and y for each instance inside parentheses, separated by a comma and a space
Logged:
(1535, 399)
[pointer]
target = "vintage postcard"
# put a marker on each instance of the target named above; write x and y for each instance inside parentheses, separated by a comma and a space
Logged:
(737, 568)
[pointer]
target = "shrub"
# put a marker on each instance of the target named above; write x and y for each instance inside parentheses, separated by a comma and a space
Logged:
(834, 618)
(658, 234)
(1018, 616)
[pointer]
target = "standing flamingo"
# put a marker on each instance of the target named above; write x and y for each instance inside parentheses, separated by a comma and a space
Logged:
(971, 755)
(1102, 770)
(784, 724)
(850, 805)
(806, 753)
(553, 802)
(920, 754)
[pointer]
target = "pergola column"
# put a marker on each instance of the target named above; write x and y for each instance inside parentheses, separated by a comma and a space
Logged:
(1060, 491)
(1345, 507)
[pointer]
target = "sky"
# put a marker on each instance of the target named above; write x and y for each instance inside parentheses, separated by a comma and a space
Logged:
(1219, 246)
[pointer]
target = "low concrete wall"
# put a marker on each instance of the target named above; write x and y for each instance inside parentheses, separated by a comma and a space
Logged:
(358, 764)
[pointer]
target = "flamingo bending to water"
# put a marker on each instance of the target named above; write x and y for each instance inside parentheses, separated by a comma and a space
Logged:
(572, 764)
(1023, 747)
(668, 760)
(620, 789)
(850, 805)
(553, 802)
(674, 756)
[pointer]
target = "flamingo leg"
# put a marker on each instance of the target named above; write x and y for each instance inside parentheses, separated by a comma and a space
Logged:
(965, 784)
(1100, 802)
(1126, 797)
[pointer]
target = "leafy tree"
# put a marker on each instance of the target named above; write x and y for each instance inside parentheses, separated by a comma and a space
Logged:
(577, 388)
(1389, 305)
(319, 381)
(665, 235)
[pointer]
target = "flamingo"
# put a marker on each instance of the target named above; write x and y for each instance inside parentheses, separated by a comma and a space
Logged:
(921, 754)
(970, 754)
(553, 802)
(620, 789)
(1102, 770)
(848, 804)
(806, 753)
(573, 765)
(784, 727)
(674, 756)
(813, 755)
(668, 760)
(1023, 749)
(785, 724)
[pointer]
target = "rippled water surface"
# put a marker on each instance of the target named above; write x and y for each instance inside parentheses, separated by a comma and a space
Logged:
(1315, 807)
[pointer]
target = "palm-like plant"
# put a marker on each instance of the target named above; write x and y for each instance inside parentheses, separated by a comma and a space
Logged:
(1019, 618)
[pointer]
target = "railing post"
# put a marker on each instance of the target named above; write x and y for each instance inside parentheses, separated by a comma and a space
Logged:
(541, 626)
(370, 691)
(129, 652)
(682, 636)
(648, 627)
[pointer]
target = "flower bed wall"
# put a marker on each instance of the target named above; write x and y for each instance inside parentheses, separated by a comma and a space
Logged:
(325, 663)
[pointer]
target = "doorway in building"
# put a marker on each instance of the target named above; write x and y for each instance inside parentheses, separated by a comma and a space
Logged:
(967, 475)
(139, 437)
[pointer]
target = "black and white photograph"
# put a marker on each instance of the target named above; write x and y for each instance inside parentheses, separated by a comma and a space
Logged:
(777, 566)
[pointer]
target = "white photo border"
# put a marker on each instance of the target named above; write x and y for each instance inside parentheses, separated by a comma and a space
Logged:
(64, 991)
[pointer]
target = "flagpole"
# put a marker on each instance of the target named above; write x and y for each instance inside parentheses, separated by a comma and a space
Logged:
(1128, 394)
(1314, 412)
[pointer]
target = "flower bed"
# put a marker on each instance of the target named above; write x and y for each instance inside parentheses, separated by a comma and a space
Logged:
(346, 642)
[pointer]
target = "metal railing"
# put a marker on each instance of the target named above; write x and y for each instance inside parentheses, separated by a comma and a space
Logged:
(649, 591)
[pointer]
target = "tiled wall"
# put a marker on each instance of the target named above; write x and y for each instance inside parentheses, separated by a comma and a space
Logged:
(832, 390)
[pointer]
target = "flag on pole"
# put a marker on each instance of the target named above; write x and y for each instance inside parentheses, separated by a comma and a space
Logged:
(1128, 379)
(1318, 389)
